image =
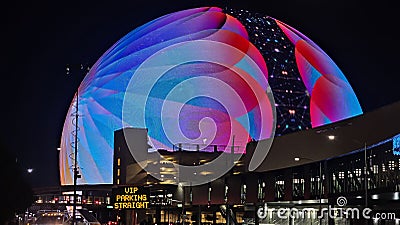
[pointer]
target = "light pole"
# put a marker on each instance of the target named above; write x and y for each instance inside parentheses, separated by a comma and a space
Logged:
(320, 181)
(365, 175)
(76, 173)
(76, 168)
(365, 171)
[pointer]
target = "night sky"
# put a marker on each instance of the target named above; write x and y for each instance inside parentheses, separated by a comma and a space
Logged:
(40, 38)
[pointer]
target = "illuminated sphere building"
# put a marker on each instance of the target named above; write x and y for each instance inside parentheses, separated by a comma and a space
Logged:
(203, 75)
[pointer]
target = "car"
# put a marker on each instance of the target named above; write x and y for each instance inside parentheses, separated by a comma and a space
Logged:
(50, 218)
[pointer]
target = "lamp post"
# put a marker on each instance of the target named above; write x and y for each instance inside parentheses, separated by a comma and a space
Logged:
(76, 168)
(365, 171)
(365, 175)
(76, 173)
(320, 183)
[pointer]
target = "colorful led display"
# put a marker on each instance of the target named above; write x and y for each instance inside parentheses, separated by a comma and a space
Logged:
(196, 76)
(188, 77)
(309, 89)
(332, 97)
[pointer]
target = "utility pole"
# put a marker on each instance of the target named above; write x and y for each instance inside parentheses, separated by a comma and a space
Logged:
(76, 167)
(320, 189)
(76, 173)
(365, 175)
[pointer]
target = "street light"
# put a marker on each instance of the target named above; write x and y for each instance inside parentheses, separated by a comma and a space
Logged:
(365, 175)
(320, 183)
(365, 170)
(331, 137)
(76, 171)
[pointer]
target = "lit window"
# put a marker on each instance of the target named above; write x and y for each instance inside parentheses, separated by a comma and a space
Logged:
(226, 193)
(375, 169)
(261, 186)
(357, 172)
(119, 161)
(243, 193)
(209, 193)
(280, 182)
(391, 165)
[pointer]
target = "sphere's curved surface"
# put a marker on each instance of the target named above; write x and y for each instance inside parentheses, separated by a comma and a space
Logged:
(332, 98)
(207, 74)
(309, 89)
(213, 88)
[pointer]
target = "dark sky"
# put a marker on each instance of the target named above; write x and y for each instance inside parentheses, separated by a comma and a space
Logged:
(40, 38)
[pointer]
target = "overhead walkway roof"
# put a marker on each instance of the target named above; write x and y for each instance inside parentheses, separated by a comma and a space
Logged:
(314, 145)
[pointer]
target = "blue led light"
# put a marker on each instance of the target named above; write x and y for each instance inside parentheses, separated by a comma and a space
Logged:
(396, 144)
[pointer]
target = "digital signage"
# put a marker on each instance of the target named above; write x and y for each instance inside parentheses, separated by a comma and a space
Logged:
(131, 197)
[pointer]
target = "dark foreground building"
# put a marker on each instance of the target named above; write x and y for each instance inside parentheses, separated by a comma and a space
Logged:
(331, 174)
(343, 173)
